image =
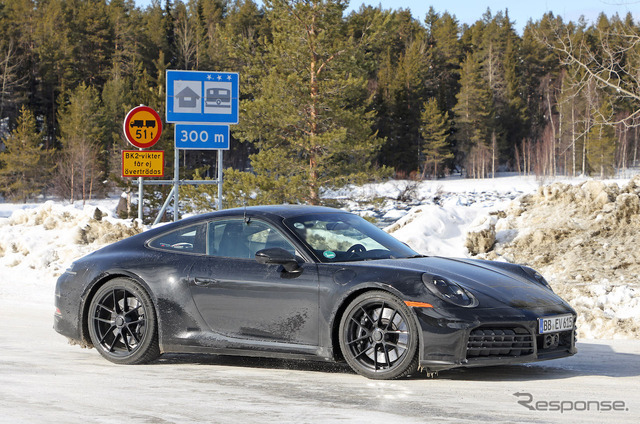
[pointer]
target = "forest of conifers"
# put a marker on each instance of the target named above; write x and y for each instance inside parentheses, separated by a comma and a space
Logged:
(327, 97)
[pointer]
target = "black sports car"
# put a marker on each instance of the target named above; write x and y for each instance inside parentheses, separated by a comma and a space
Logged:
(306, 282)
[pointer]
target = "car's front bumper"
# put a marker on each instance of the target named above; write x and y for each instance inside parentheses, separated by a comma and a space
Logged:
(492, 336)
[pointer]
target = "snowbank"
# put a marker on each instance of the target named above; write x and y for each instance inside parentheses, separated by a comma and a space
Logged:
(586, 239)
(437, 230)
(39, 243)
(389, 201)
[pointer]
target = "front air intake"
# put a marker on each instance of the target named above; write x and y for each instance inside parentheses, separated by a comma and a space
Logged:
(484, 342)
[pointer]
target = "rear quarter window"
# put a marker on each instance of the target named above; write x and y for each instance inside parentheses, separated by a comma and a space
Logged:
(190, 239)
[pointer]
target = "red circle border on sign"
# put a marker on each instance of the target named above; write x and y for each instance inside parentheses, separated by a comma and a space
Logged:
(127, 120)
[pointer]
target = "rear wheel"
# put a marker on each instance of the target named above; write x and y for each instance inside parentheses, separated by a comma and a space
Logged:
(122, 323)
(379, 337)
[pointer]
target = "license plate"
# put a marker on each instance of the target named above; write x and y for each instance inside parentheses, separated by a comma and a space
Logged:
(555, 324)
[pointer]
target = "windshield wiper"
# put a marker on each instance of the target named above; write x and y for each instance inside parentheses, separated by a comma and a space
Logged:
(407, 257)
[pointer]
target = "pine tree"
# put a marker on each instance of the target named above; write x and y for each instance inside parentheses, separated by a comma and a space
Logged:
(125, 20)
(443, 32)
(116, 102)
(91, 37)
(406, 87)
(308, 117)
(81, 131)
(24, 164)
(18, 21)
(169, 40)
(473, 117)
(435, 131)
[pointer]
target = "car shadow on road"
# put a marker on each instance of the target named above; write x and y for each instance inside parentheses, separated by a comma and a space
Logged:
(255, 362)
(591, 360)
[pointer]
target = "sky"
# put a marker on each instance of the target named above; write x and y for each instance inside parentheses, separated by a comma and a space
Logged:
(520, 11)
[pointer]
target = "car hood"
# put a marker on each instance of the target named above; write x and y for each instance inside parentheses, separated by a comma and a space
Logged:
(481, 278)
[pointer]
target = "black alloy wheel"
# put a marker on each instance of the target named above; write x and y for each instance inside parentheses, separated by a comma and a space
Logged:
(378, 336)
(122, 323)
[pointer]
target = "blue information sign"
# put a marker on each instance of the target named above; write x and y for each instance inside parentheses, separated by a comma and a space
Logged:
(196, 96)
(201, 137)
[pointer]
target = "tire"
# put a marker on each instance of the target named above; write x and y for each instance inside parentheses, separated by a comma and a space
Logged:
(379, 337)
(122, 323)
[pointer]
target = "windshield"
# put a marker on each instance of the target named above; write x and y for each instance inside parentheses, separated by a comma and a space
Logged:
(339, 237)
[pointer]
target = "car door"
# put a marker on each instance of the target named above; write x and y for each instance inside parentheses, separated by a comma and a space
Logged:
(241, 298)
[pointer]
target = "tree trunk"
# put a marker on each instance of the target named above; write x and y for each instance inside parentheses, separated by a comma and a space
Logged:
(573, 139)
(91, 182)
(552, 148)
(73, 174)
(435, 168)
(601, 153)
(84, 184)
(624, 148)
(584, 143)
(493, 154)
(584, 155)
(635, 146)
(560, 146)
(526, 157)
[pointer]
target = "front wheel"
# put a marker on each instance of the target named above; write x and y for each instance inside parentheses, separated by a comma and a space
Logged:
(379, 337)
(122, 323)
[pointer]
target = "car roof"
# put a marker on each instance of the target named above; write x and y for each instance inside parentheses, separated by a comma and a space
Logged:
(269, 212)
(281, 211)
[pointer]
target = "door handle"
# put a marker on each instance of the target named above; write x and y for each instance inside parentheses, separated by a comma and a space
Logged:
(204, 282)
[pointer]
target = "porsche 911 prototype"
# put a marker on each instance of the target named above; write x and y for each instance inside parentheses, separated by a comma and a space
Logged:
(309, 283)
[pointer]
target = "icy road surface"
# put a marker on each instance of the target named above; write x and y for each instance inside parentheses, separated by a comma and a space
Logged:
(45, 380)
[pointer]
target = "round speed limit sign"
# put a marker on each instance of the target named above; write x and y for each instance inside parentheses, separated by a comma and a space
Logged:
(142, 127)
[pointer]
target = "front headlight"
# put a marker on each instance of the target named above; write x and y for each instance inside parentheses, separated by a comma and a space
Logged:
(449, 291)
(536, 276)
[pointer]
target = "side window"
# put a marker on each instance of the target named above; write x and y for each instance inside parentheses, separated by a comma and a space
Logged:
(190, 239)
(233, 238)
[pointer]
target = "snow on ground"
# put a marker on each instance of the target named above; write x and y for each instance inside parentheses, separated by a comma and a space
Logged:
(6, 209)
(39, 241)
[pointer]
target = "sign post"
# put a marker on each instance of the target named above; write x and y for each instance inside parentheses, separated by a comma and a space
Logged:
(142, 127)
(196, 101)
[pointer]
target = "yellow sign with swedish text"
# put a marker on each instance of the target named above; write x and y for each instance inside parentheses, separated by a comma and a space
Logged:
(143, 163)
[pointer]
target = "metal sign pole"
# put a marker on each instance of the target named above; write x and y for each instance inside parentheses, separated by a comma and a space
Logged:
(176, 178)
(219, 179)
(140, 195)
(140, 199)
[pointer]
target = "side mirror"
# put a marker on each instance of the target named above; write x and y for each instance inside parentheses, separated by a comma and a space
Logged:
(277, 255)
